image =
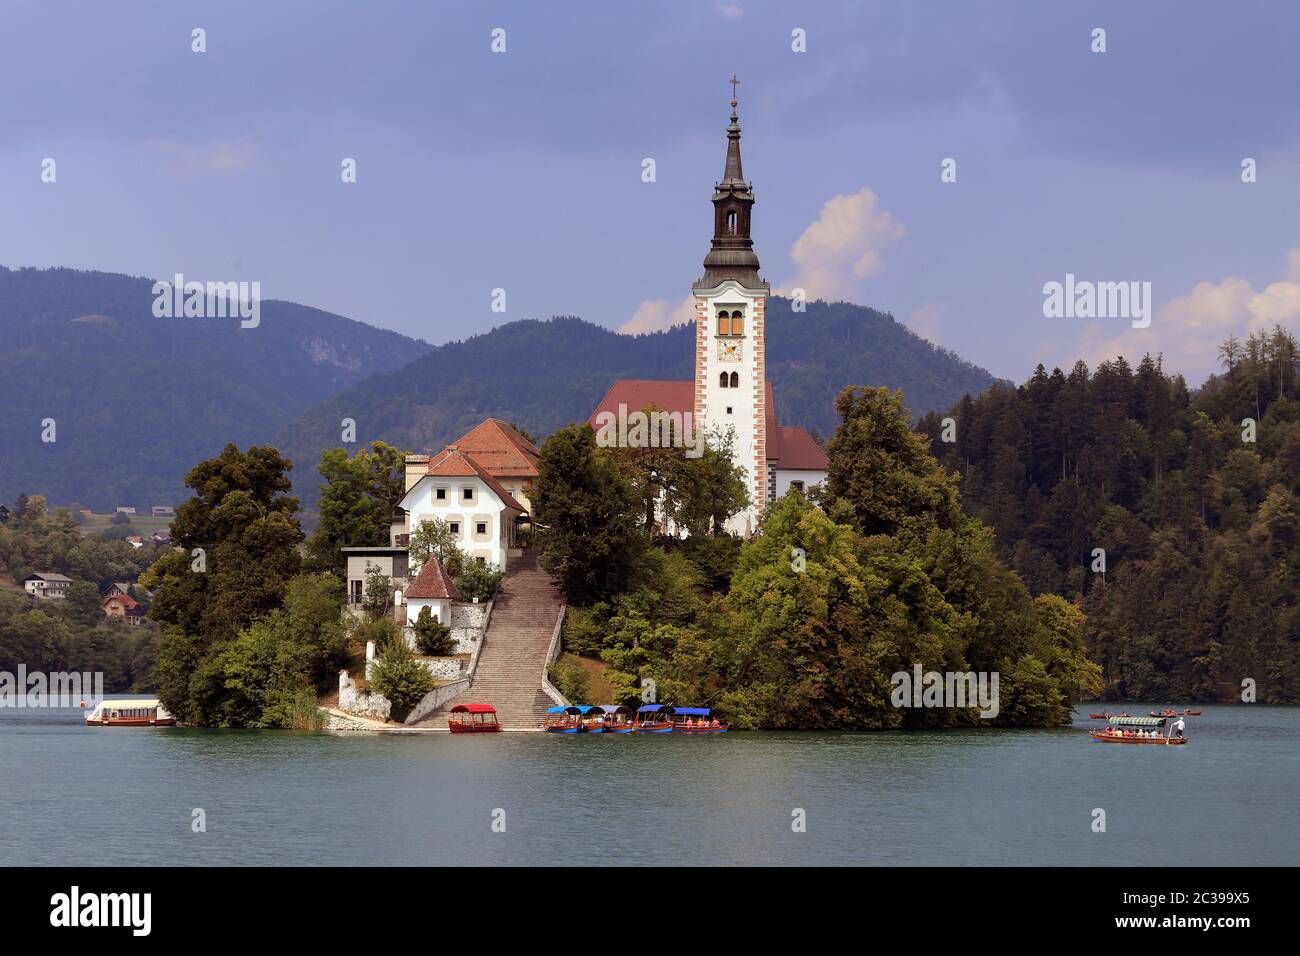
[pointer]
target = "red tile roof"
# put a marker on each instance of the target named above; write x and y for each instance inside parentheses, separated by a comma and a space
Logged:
(799, 452)
(640, 393)
(502, 451)
(674, 396)
(127, 601)
(434, 583)
(451, 462)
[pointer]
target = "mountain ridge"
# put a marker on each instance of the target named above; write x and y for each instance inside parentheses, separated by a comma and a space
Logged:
(138, 400)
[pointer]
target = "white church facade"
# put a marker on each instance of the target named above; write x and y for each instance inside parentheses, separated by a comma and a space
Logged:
(730, 390)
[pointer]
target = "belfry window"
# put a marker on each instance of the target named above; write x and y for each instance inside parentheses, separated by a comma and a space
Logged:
(731, 223)
(735, 380)
(724, 323)
(731, 323)
(722, 380)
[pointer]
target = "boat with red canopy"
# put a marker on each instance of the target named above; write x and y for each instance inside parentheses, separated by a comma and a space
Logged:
(473, 719)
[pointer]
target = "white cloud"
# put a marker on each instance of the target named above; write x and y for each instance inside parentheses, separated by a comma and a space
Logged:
(654, 315)
(842, 247)
(1189, 329)
(729, 9)
(832, 258)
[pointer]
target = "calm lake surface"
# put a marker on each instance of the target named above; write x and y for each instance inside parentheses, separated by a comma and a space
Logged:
(86, 796)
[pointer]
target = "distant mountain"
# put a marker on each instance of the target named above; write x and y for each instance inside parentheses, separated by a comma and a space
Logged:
(546, 374)
(137, 400)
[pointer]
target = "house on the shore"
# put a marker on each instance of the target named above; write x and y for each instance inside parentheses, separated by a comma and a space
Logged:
(452, 486)
(391, 562)
(47, 586)
(479, 486)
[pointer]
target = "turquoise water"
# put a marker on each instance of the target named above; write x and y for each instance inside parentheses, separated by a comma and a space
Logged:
(76, 795)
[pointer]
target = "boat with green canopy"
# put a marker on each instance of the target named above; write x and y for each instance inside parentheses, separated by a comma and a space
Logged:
(1141, 730)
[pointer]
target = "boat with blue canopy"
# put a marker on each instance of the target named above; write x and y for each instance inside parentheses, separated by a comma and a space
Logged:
(593, 719)
(563, 720)
(697, 720)
(617, 718)
(653, 719)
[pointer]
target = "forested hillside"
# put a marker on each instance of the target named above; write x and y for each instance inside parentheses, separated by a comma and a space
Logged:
(543, 375)
(136, 400)
(1191, 495)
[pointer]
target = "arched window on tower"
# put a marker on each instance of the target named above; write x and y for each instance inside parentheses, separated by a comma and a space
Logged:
(722, 380)
(724, 323)
(735, 380)
(731, 223)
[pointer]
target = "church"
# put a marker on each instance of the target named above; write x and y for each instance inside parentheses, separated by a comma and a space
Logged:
(730, 389)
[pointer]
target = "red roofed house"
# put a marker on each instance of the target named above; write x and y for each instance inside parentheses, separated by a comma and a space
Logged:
(454, 487)
(121, 607)
(730, 389)
(432, 588)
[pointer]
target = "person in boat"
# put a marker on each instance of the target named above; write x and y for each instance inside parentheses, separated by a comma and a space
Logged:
(1179, 726)
(715, 723)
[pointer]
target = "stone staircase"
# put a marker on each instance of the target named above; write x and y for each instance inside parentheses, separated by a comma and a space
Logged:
(509, 671)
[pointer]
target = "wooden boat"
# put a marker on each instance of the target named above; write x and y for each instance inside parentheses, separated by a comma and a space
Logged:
(1102, 716)
(1126, 730)
(1175, 713)
(129, 713)
(593, 719)
(473, 719)
(1191, 713)
(653, 719)
(617, 719)
(697, 720)
(563, 720)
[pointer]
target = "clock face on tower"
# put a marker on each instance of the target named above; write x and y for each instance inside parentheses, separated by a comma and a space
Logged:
(729, 351)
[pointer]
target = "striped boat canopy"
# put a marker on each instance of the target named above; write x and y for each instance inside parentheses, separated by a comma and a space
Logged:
(1137, 721)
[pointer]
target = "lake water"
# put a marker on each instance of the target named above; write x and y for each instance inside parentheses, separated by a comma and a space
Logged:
(85, 796)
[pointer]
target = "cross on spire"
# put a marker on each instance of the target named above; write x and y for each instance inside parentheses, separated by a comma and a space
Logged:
(734, 83)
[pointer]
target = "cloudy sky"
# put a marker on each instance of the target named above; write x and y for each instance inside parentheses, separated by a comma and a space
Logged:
(523, 170)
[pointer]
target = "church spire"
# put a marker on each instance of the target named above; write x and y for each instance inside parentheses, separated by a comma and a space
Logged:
(733, 172)
(731, 254)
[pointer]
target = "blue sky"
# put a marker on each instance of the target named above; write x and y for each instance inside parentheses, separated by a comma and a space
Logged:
(522, 170)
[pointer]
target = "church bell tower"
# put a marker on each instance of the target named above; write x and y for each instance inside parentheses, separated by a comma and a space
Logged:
(730, 387)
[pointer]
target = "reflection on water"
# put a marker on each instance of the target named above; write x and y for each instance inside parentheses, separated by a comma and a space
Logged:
(76, 795)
